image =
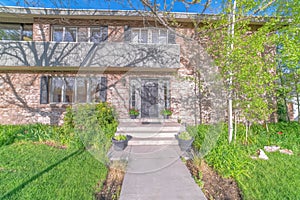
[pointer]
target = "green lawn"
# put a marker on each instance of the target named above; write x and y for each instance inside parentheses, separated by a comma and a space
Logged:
(36, 171)
(276, 178)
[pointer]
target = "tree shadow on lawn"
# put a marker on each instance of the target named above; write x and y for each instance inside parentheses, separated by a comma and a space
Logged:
(21, 186)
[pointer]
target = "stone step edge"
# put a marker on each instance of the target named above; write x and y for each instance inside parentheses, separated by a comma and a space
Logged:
(153, 142)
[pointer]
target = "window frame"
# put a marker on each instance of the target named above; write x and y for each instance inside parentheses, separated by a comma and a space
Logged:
(101, 30)
(150, 33)
(93, 89)
(22, 30)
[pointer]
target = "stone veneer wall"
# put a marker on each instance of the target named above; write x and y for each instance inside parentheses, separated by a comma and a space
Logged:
(20, 101)
(20, 98)
(20, 92)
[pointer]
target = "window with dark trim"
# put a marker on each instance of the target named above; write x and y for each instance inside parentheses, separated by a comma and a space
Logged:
(57, 89)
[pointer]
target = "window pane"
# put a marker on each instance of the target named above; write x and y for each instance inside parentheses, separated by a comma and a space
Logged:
(70, 34)
(81, 90)
(69, 91)
(44, 92)
(135, 35)
(171, 37)
(57, 34)
(56, 89)
(144, 36)
(27, 33)
(82, 34)
(104, 33)
(163, 37)
(95, 89)
(10, 31)
(96, 35)
(155, 34)
(133, 100)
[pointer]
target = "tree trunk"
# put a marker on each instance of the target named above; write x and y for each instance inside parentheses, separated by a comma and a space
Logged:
(200, 97)
(231, 32)
(287, 110)
(235, 126)
(246, 132)
(298, 101)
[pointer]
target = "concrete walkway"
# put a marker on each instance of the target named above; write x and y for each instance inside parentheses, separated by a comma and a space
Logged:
(157, 173)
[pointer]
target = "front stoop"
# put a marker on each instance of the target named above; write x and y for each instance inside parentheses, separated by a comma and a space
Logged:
(150, 132)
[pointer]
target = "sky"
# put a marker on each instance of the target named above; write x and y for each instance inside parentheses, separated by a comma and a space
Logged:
(177, 6)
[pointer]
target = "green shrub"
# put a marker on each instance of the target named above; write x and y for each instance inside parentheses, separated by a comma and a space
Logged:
(36, 133)
(184, 136)
(120, 137)
(94, 124)
(103, 113)
(233, 160)
(8, 134)
(212, 143)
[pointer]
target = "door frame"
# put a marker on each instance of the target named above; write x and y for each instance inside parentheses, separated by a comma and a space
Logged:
(135, 92)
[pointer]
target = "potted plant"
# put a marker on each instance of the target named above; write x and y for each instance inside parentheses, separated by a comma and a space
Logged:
(185, 141)
(166, 113)
(133, 113)
(120, 142)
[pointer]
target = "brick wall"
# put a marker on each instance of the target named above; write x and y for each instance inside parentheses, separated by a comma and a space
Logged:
(20, 98)
(20, 101)
(41, 32)
(20, 92)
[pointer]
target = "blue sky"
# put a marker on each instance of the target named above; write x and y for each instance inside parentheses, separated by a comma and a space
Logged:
(109, 4)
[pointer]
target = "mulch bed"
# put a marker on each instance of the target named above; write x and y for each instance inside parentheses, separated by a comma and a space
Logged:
(112, 186)
(215, 187)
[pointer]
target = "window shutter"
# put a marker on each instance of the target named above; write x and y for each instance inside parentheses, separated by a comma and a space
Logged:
(44, 90)
(171, 37)
(127, 34)
(104, 31)
(103, 89)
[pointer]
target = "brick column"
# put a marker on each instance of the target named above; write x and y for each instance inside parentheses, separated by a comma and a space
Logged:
(41, 32)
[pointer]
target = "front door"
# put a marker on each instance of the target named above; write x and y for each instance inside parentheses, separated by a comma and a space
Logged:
(149, 98)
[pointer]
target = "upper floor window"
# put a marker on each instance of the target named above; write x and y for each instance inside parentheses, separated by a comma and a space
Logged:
(152, 35)
(79, 34)
(16, 32)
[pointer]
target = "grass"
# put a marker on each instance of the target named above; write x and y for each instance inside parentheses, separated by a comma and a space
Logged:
(37, 171)
(50, 162)
(33, 166)
(276, 178)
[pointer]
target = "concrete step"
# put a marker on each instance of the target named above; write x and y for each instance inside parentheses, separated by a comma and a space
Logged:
(149, 134)
(149, 127)
(147, 120)
(153, 141)
(130, 131)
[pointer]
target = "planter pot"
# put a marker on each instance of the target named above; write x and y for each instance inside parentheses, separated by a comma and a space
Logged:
(166, 116)
(119, 145)
(133, 116)
(185, 145)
